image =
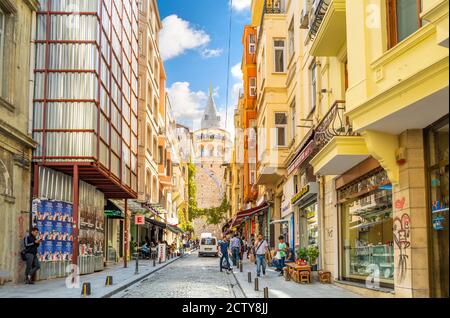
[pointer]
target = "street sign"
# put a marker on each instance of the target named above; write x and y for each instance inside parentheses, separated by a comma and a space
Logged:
(139, 220)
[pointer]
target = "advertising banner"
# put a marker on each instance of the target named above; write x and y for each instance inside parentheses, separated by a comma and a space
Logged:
(162, 252)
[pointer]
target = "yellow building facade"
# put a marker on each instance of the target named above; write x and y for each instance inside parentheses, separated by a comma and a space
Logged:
(363, 176)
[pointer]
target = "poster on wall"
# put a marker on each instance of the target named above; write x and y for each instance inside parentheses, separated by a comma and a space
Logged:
(91, 230)
(54, 222)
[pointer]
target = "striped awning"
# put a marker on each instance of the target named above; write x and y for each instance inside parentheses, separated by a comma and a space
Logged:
(248, 213)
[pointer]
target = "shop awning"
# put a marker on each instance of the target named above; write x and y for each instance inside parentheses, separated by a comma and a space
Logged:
(112, 211)
(156, 208)
(157, 223)
(248, 213)
(174, 229)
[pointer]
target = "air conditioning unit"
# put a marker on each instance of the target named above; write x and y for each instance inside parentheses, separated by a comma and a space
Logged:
(304, 20)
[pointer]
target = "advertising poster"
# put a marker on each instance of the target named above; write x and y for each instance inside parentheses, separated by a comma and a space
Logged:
(54, 221)
(162, 252)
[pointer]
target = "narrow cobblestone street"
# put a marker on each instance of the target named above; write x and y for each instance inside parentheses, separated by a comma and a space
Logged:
(191, 277)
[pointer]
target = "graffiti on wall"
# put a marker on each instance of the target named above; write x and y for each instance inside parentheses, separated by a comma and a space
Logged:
(403, 242)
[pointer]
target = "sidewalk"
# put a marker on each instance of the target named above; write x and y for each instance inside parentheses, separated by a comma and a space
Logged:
(56, 288)
(280, 288)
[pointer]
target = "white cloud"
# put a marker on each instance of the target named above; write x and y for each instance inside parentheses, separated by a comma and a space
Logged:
(241, 5)
(236, 71)
(209, 53)
(187, 105)
(178, 36)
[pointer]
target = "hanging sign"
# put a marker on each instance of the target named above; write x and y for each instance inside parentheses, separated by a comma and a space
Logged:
(139, 219)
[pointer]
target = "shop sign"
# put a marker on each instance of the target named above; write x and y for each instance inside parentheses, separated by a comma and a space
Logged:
(162, 252)
(286, 209)
(301, 158)
(139, 219)
(310, 189)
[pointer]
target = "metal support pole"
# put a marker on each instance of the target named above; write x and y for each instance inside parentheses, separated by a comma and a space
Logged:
(75, 215)
(125, 254)
(256, 284)
(137, 252)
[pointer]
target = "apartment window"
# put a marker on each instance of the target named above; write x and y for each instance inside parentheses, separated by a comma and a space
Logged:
(403, 19)
(291, 39)
(293, 123)
(252, 86)
(252, 177)
(168, 163)
(313, 85)
(149, 97)
(155, 109)
(252, 44)
(149, 140)
(155, 147)
(280, 126)
(279, 53)
(160, 155)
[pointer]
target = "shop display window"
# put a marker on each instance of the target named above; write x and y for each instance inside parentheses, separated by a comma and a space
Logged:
(438, 174)
(367, 235)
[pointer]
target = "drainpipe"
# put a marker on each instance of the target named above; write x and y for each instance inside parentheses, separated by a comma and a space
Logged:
(322, 222)
(31, 72)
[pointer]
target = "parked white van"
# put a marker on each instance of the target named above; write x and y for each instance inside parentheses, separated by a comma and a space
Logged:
(208, 245)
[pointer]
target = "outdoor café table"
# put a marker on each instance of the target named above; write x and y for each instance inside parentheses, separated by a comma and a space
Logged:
(300, 268)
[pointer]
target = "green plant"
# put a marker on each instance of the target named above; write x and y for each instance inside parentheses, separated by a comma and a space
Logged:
(313, 254)
(302, 253)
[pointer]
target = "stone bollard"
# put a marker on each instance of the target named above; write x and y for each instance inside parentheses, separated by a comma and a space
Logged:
(86, 289)
(249, 277)
(256, 284)
(109, 281)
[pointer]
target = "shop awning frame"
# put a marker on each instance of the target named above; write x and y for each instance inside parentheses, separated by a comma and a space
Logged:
(248, 213)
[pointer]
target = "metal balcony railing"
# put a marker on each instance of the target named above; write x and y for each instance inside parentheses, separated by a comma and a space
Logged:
(319, 10)
(333, 124)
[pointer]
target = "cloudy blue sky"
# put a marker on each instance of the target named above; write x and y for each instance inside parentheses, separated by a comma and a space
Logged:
(194, 46)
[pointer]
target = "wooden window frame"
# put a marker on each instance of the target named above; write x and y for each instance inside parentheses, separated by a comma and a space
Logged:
(391, 17)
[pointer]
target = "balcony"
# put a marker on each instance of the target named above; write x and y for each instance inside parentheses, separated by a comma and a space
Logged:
(328, 29)
(340, 148)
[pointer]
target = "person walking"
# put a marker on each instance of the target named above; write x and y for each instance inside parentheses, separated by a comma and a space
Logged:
(281, 251)
(222, 249)
(31, 243)
(235, 246)
(261, 248)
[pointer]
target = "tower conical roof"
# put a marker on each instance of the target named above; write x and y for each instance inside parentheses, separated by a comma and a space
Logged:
(211, 118)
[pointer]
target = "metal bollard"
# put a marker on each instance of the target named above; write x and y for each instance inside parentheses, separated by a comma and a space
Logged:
(249, 277)
(266, 292)
(86, 289)
(256, 284)
(109, 281)
(136, 271)
(160, 260)
(241, 267)
(154, 262)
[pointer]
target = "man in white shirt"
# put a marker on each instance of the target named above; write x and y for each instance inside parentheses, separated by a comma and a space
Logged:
(261, 247)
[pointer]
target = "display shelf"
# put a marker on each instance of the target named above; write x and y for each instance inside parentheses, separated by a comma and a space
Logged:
(367, 224)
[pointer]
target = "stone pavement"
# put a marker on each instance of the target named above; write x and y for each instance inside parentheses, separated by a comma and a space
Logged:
(280, 288)
(56, 288)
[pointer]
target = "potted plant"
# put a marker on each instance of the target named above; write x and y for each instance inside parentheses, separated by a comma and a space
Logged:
(302, 254)
(313, 254)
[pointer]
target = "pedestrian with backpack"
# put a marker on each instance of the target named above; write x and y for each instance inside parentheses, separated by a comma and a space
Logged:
(29, 254)
(261, 248)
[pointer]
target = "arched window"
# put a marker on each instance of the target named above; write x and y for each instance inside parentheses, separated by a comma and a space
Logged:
(202, 151)
(155, 190)
(211, 150)
(148, 186)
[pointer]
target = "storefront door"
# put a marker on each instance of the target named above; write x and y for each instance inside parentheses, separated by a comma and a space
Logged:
(438, 176)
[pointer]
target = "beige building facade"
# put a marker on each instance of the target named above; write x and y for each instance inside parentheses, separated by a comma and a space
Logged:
(17, 20)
